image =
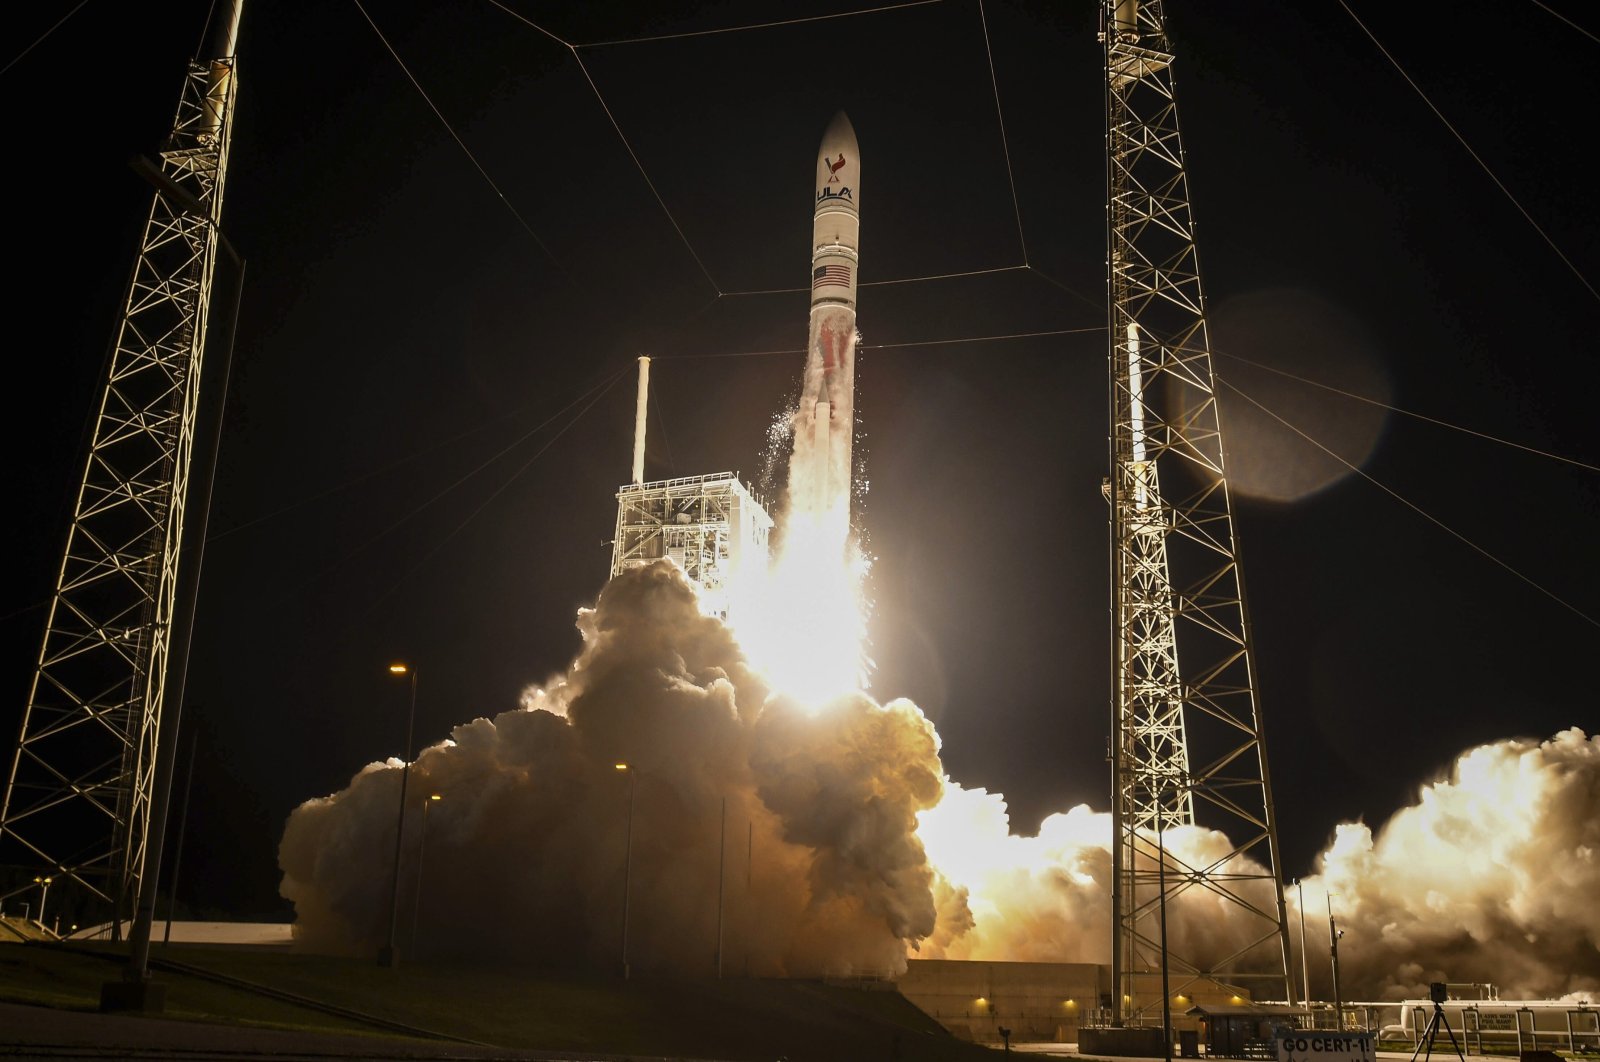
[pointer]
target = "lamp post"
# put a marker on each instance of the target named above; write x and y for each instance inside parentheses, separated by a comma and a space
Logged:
(1334, 933)
(422, 847)
(627, 863)
(1161, 887)
(1305, 975)
(389, 955)
(44, 894)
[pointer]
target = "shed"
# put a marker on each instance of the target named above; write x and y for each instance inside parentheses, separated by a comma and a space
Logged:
(1243, 1030)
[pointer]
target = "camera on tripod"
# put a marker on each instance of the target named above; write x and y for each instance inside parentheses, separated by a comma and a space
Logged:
(1439, 994)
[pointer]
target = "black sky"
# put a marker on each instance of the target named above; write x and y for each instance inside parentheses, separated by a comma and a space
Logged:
(400, 327)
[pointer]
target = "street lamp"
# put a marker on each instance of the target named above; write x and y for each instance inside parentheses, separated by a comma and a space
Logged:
(422, 847)
(1305, 975)
(44, 894)
(627, 863)
(389, 955)
(1334, 933)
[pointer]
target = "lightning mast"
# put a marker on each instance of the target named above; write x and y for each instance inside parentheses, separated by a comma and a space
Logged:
(79, 797)
(1187, 746)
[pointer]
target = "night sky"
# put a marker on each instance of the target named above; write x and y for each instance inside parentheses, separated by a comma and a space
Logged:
(402, 328)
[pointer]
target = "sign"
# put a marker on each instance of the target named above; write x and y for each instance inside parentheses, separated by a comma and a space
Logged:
(1308, 1046)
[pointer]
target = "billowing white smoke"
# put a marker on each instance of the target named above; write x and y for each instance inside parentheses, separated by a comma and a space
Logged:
(1492, 876)
(524, 855)
(1047, 898)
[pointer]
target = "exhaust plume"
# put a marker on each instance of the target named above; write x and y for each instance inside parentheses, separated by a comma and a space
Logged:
(524, 854)
(1491, 876)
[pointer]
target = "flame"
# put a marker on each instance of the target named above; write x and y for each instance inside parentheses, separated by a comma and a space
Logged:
(803, 622)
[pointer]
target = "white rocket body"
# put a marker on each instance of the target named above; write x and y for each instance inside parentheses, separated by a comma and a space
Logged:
(825, 427)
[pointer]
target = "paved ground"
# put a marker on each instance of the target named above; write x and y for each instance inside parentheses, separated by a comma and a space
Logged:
(43, 1033)
(1056, 1050)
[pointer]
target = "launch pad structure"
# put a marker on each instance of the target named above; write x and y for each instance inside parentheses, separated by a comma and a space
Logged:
(1187, 747)
(83, 801)
(711, 526)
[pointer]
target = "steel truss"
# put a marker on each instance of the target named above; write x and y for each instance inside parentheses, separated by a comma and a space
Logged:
(709, 525)
(1187, 745)
(78, 799)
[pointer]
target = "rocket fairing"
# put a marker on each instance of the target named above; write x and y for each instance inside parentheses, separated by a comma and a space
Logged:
(825, 421)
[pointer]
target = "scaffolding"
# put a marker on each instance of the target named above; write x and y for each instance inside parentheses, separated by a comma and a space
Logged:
(711, 526)
(81, 792)
(1187, 746)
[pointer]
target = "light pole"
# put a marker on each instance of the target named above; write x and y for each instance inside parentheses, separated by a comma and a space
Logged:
(722, 878)
(1161, 891)
(422, 847)
(1305, 975)
(44, 894)
(389, 955)
(627, 863)
(1334, 933)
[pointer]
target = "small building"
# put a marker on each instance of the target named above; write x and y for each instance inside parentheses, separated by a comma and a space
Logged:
(1036, 1001)
(1243, 1030)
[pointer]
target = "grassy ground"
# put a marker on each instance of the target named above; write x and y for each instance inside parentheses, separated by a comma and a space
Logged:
(515, 1007)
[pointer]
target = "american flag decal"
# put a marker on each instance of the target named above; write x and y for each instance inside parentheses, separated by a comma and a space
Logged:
(837, 276)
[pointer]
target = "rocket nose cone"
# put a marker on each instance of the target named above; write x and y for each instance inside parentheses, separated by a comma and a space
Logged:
(840, 133)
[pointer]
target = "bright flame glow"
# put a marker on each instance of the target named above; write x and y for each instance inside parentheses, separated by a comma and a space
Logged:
(805, 626)
(803, 622)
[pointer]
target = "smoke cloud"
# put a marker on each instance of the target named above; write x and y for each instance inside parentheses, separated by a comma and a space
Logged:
(845, 848)
(526, 853)
(1490, 877)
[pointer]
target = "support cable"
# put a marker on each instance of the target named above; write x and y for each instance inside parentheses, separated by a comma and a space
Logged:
(372, 473)
(661, 201)
(1551, 594)
(1562, 18)
(457, 137)
(501, 489)
(1475, 156)
(644, 173)
(1005, 146)
(1409, 413)
(1098, 304)
(603, 386)
(660, 424)
(889, 346)
(573, 50)
(885, 283)
(40, 40)
(754, 25)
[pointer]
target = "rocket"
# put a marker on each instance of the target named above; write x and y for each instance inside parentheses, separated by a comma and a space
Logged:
(825, 421)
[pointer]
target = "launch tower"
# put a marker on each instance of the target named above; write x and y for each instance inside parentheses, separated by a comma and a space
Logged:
(80, 794)
(711, 526)
(1187, 746)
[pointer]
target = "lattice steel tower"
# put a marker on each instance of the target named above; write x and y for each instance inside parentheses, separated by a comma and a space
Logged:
(78, 799)
(1187, 746)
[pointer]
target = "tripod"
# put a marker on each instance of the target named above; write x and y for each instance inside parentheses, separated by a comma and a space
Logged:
(1431, 1033)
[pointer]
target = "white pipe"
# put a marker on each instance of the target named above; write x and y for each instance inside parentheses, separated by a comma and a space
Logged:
(640, 409)
(1141, 467)
(1135, 393)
